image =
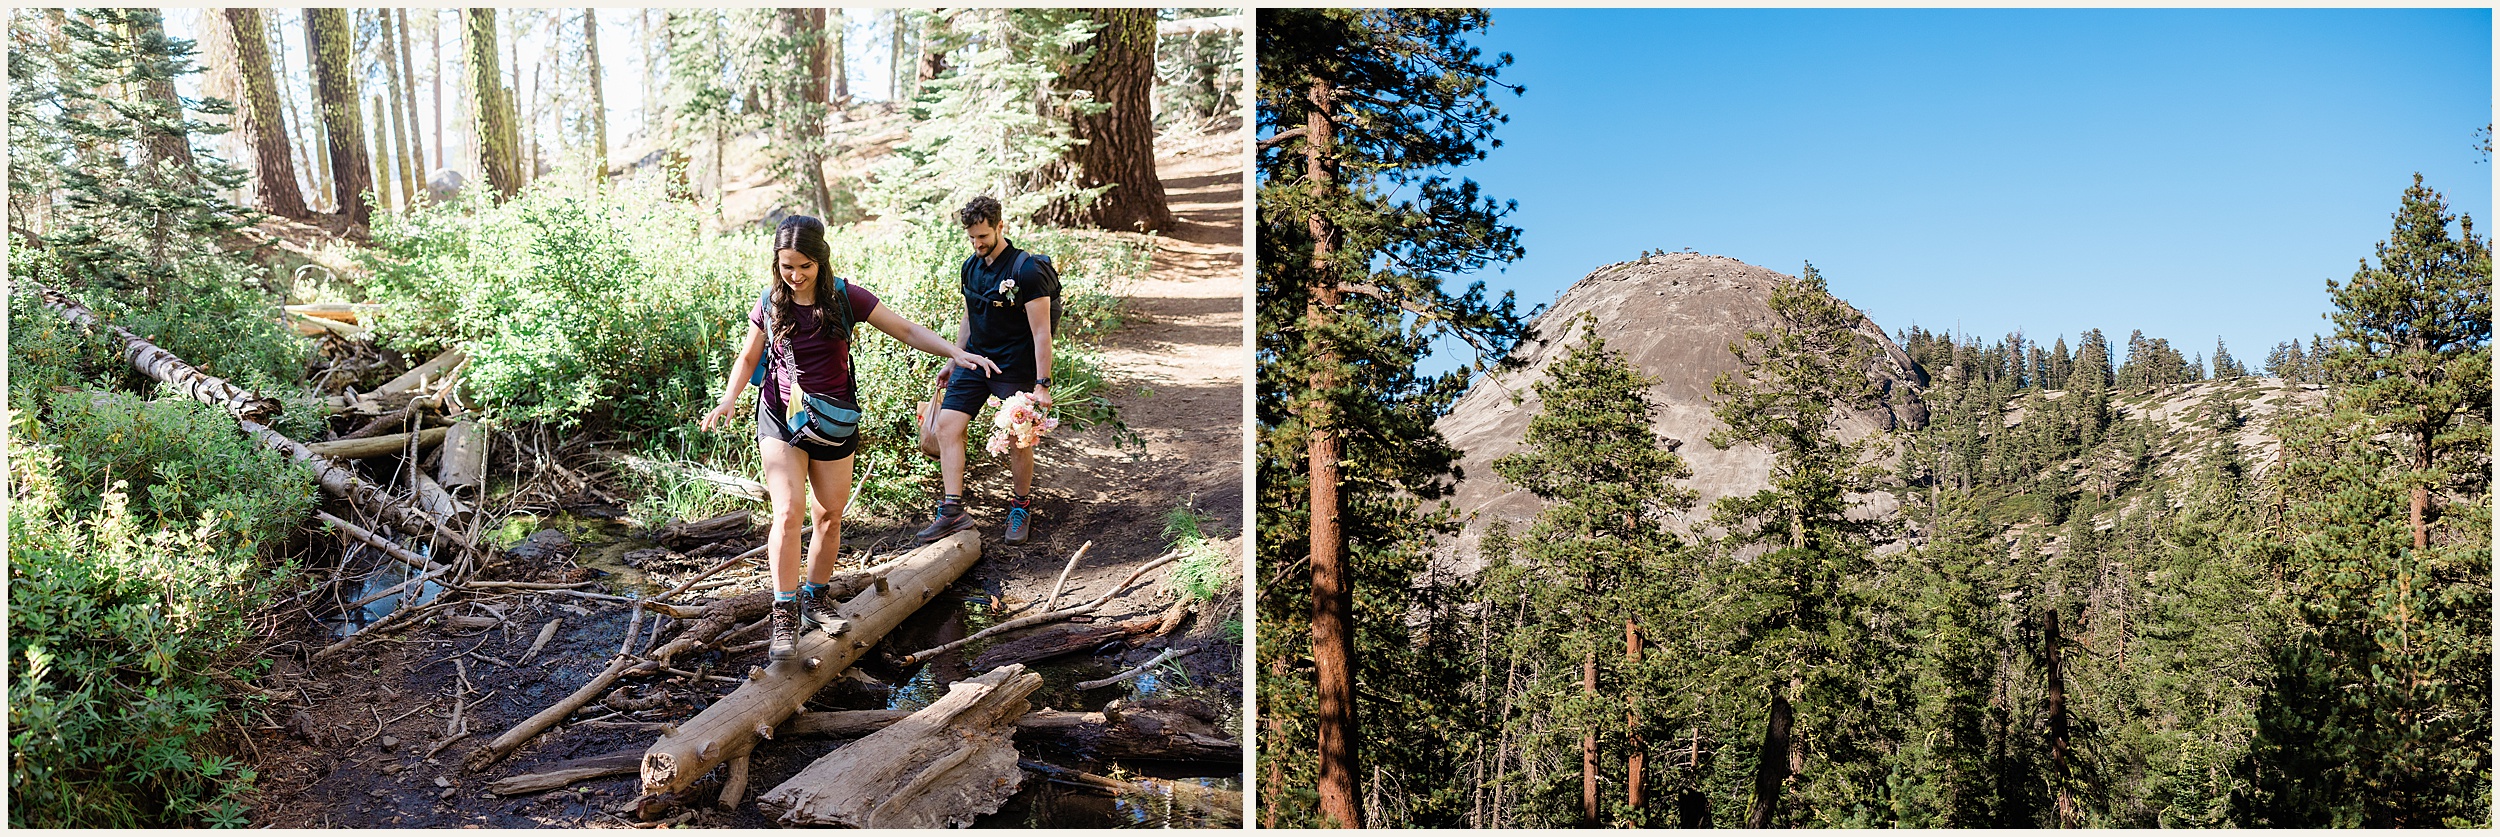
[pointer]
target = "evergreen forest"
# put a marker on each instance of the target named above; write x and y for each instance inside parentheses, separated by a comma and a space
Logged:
(2112, 585)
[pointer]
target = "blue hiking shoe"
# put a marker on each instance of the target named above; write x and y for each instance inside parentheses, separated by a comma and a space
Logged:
(1019, 524)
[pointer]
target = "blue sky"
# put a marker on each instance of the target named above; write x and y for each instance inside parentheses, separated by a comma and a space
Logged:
(2191, 173)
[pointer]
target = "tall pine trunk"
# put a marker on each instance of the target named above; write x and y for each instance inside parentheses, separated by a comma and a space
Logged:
(1770, 775)
(382, 158)
(895, 43)
(1588, 744)
(837, 32)
(598, 98)
(804, 136)
(1635, 764)
(259, 116)
(331, 49)
(1332, 588)
(434, 39)
(403, 135)
(408, 106)
(1117, 147)
(498, 139)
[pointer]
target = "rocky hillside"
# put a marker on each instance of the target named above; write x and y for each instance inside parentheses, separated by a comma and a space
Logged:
(1674, 316)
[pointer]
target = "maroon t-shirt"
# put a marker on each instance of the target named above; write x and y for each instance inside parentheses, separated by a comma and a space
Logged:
(824, 359)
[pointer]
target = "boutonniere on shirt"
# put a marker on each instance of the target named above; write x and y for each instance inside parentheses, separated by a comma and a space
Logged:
(1007, 291)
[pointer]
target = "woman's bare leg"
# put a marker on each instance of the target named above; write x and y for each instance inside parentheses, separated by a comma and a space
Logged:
(785, 479)
(829, 495)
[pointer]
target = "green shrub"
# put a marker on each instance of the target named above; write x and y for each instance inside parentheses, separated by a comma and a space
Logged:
(121, 600)
(1201, 572)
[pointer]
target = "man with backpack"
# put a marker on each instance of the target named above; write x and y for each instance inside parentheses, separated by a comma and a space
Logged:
(1010, 299)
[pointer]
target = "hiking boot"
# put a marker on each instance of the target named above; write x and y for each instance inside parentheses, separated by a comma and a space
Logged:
(1019, 524)
(951, 518)
(785, 632)
(817, 610)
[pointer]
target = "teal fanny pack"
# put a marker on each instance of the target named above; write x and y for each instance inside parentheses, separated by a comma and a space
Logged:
(823, 419)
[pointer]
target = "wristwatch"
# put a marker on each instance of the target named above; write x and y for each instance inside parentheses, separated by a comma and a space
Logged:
(1041, 383)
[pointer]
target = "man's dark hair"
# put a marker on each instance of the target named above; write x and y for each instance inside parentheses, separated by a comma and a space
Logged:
(983, 208)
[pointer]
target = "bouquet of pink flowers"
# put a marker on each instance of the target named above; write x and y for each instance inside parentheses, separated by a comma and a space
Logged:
(1019, 424)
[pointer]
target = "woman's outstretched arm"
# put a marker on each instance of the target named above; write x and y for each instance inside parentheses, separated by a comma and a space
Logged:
(739, 371)
(920, 337)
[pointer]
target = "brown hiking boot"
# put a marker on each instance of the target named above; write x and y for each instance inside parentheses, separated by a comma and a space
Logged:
(819, 611)
(785, 641)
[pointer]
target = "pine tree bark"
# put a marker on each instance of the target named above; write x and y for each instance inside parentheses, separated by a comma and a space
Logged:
(897, 42)
(313, 145)
(1588, 745)
(598, 97)
(805, 135)
(385, 193)
(403, 134)
(331, 49)
(836, 33)
(259, 116)
(1771, 767)
(932, 62)
(1637, 796)
(498, 138)
(434, 48)
(1332, 593)
(1117, 146)
(408, 106)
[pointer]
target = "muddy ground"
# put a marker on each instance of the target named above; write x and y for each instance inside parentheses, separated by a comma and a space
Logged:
(359, 746)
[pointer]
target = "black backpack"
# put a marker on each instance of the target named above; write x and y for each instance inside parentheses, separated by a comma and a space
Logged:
(1058, 299)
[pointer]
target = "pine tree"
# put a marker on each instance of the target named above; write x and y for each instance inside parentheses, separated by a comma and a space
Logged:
(1363, 111)
(1598, 570)
(2380, 713)
(1797, 652)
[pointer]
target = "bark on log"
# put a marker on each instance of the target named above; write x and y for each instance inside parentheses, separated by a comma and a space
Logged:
(464, 457)
(1071, 639)
(684, 535)
(373, 446)
(1161, 730)
(164, 365)
(433, 500)
(1222, 805)
(378, 542)
(565, 773)
(1043, 618)
(729, 728)
(940, 768)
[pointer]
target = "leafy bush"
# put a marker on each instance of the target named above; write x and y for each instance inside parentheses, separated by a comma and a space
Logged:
(121, 599)
(613, 308)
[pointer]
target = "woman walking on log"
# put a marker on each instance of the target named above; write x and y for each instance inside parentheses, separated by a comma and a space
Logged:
(798, 350)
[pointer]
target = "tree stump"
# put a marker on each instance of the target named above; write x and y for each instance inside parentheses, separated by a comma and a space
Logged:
(940, 768)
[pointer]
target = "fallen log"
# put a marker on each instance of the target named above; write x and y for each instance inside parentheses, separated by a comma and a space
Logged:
(1162, 730)
(433, 500)
(731, 726)
(1073, 639)
(683, 535)
(565, 773)
(163, 365)
(940, 768)
(378, 542)
(464, 457)
(1045, 618)
(513, 738)
(346, 485)
(1221, 805)
(372, 446)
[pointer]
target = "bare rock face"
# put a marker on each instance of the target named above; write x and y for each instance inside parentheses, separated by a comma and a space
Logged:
(1673, 316)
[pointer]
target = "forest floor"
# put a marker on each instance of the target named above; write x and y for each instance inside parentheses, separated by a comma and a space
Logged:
(358, 746)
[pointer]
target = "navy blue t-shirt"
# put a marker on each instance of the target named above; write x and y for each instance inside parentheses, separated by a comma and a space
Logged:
(1000, 331)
